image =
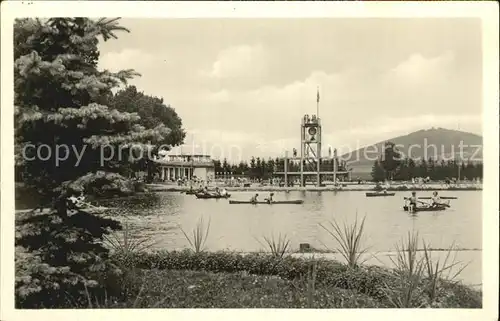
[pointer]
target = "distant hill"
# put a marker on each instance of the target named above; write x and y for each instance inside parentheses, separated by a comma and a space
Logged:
(418, 145)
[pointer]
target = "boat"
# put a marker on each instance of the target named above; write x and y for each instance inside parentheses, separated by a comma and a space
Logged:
(374, 194)
(207, 196)
(426, 208)
(193, 192)
(266, 202)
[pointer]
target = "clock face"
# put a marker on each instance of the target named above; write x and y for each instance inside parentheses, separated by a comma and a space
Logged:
(312, 131)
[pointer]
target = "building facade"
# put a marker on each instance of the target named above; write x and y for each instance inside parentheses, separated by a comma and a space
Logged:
(186, 167)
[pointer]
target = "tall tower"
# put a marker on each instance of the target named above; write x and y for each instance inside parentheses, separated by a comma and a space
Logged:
(310, 159)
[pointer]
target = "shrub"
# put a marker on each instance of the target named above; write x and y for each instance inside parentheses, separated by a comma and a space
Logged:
(57, 257)
(328, 272)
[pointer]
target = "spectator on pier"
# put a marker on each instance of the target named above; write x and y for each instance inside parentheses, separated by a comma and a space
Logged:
(270, 198)
(254, 198)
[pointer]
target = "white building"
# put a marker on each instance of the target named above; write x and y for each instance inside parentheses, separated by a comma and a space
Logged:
(183, 166)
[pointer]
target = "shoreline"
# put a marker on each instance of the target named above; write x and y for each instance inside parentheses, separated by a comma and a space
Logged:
(357, 188)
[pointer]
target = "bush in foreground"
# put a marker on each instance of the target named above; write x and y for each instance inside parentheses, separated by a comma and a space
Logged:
(200, 289)
(369, 284)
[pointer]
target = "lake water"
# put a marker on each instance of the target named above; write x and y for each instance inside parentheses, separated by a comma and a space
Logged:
(242, 227)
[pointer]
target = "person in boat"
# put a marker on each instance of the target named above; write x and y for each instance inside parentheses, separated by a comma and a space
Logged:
(254, 198)
(217, 191)
(435, 200)
(270, 198)
(413, 201)
(224, 192)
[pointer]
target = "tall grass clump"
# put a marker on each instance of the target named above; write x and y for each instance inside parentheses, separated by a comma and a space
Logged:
(127, 245)
(198, 236)
(410, 270)
(307, 282)
(278, 247)
(436, 271)
(349, 239)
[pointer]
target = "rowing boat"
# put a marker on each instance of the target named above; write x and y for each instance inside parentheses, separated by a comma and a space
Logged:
(193, 192)
(374, 194)
(207, 196)
(266, 202)
(426, 208)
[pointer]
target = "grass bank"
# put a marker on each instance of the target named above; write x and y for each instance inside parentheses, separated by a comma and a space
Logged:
(186, 279)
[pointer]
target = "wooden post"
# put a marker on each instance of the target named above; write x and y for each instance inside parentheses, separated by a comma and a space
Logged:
(286, 168)
(302, 152)
(318, 152)
(335, 166)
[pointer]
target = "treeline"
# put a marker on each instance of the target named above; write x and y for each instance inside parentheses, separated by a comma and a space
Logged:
(392, 167)
(259, 168)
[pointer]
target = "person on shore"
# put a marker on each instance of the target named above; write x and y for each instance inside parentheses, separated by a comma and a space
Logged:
(413, 201)
(435, 200)
(270, 198)
(254, 198)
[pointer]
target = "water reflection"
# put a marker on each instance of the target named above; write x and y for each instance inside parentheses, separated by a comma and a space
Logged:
(240, 227)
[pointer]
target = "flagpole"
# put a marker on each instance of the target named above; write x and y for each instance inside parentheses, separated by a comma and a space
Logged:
(317, 103)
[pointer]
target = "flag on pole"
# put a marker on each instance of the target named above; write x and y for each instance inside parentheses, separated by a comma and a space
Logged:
(317, 96)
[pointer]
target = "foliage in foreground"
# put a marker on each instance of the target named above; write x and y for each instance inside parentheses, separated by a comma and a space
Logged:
(200, 289)
(58, 257)
(349, 239)
(369, 281)
(65, 132)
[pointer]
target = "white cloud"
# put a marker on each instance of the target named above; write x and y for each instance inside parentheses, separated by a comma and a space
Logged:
(358, 106)
(128, 59)
(418, 69)
(240, 61)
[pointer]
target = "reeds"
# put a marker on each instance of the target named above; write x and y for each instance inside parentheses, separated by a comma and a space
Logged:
(111, 303)
(410, 270)
(435, 270)
(311, 284)
(279, 247)
(199, 236)
(127, 245)
(419, 275)
(307, 281)
(349, 239)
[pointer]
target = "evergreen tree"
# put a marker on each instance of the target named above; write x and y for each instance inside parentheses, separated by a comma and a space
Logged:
(431, 168)
(60, 98)
(258, 168)
(152, 112)
(225, 166)
(411, 169)
(252, 168)
(217, 166)
(271, 166)
(391, 159)
(378, 173)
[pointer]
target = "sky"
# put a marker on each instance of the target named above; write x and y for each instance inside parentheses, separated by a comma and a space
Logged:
(242, 86)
